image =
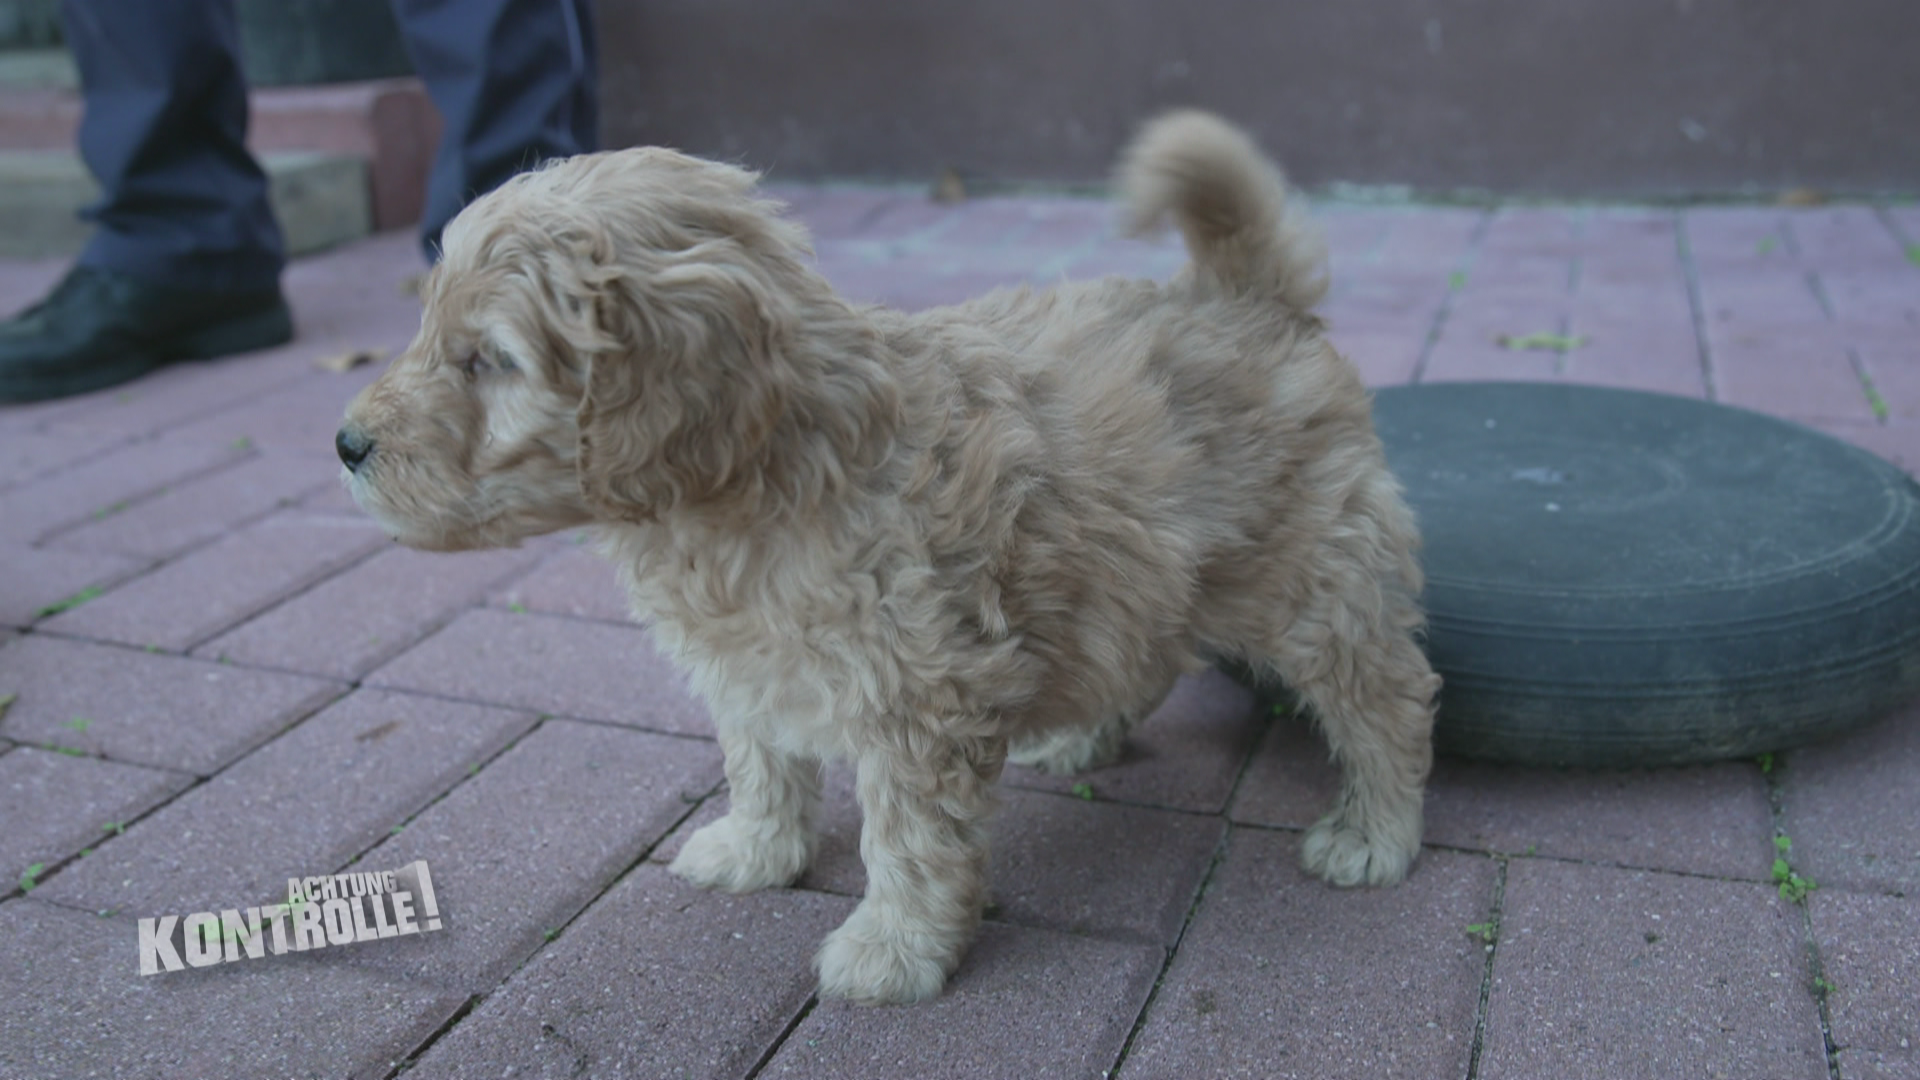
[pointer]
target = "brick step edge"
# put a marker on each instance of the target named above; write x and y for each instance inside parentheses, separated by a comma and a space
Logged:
(320, 199)
(389, 123)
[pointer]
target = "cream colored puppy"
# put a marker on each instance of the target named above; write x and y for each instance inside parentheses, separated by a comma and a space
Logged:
(917, 541)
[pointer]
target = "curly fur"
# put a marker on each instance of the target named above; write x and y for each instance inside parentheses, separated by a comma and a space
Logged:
(924, 541)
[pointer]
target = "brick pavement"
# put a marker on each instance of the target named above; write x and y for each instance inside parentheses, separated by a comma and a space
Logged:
(246, 682)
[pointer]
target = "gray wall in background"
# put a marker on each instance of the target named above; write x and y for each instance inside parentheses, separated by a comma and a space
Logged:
(1561, 97)
(301, 42)
(29, 24)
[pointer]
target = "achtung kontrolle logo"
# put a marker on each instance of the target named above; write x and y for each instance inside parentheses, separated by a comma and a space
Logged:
(337, 909)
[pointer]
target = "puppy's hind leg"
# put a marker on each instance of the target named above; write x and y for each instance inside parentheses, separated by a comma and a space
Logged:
(1071, 751)
(923, 838)
(1365, 679)
(766, 837)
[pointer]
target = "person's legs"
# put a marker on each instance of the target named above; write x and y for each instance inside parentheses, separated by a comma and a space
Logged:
(515, 82)
(165, 133)
(186, 258)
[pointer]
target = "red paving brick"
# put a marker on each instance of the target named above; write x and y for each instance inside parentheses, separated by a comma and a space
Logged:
(1384, 359)
(1353, 234)
(1866, 303)
(1472, 356)
(1291, 779)
(25, 281)
(573, 580)
(1059, 862)
(147, 708)
(1849, 807)
(1392, 290)
(28, 455)
(1896, 378)
(1708, 819)
(358, 619)
(174, 395)
(1666, 362)
(360, 298)
(562, 667)
(77, 1006)
(1186, 756)
(32, 580)
(656, 979)
(1847, 239)
(1383, 306)
(1711, 819)
(300, 418)
(1023, 1003)
(1532, 232)
(166, 497)
(1875, 977)
(1640, 305)
(1437, 238)
(218, 586)
(1737, 236)
(1284, 976)
(1519, 288)
(1099, 869)
(333, 499)
(316, 797)
(1125, 258)
(1631, 975)
(104, 485)
(522, 847)
(1805, 379)
(1758, 302)
(1877, 1065)
(58, 805)
(195, 511)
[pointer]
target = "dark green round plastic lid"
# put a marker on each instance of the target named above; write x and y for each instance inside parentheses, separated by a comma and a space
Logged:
(1622, 578)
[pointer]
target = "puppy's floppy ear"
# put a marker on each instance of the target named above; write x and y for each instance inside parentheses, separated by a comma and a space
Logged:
(682, 402)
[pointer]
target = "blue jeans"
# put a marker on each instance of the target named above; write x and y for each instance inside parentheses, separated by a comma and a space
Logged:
(165, 125)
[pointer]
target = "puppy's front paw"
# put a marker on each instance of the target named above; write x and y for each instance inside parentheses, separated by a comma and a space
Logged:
(1347, 856)
(871, 960)
(733, 857)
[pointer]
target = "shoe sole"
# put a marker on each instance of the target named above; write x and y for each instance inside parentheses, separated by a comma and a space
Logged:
(261, 330)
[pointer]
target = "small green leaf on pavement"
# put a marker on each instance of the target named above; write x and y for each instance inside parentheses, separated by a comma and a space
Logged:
(1541, 342)
(69, 603)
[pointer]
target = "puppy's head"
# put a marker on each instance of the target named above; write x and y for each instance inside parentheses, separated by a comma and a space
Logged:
(604, 339)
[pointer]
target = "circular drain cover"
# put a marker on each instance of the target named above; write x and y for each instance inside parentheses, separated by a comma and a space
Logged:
(1623, 578)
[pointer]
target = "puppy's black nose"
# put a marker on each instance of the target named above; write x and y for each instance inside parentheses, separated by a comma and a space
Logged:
(353, 447)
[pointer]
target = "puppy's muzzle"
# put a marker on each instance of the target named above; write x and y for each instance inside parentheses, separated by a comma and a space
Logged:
(353, 446)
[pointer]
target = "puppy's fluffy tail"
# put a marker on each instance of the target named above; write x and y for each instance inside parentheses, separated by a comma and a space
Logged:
(1231, 204)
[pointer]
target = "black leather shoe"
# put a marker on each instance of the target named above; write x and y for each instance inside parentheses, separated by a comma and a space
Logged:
(99, 329)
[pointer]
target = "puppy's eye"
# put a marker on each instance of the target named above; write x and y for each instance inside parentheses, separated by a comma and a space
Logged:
(477, 363)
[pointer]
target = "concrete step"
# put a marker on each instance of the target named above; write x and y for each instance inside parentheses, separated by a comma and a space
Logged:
(39, 68)
(321, 199)
(389, 123)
